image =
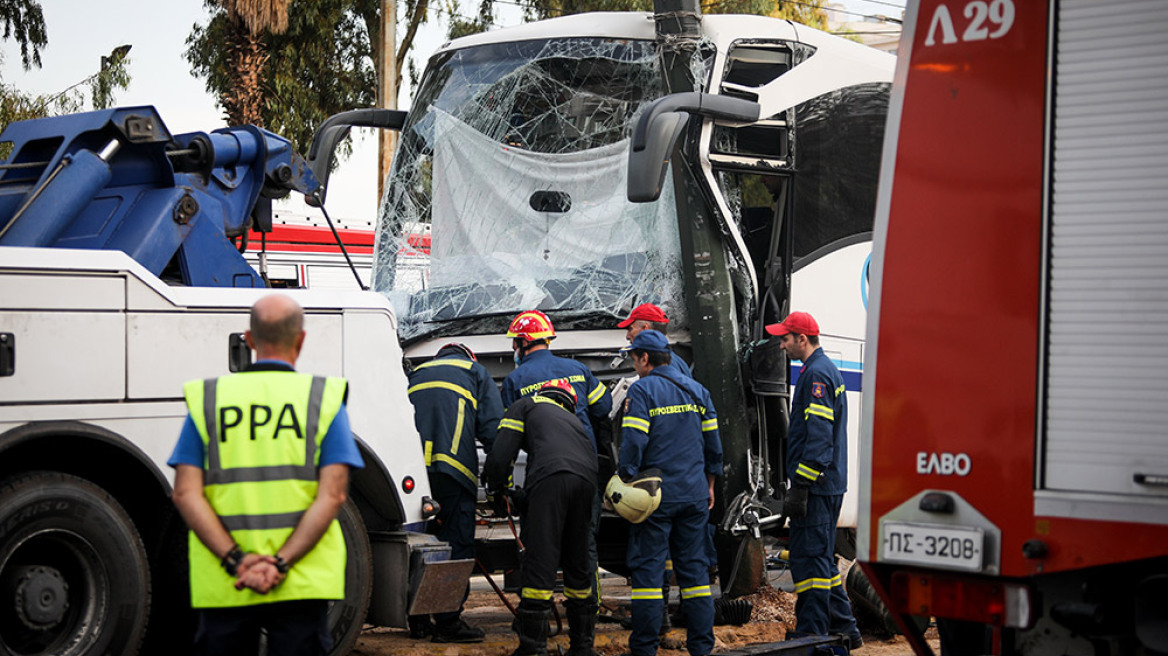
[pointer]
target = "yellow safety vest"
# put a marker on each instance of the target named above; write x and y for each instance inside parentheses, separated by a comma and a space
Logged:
(261, 436)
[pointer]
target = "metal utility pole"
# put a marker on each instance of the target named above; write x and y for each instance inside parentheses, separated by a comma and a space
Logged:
(709, 296)
(386, 88)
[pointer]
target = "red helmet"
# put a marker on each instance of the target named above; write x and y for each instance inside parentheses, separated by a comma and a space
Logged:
(561, 391)
(532, 326)
(455, 347)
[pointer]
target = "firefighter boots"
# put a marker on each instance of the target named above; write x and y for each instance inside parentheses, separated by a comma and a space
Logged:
(533, 632)
(457, 630)
(581, 626)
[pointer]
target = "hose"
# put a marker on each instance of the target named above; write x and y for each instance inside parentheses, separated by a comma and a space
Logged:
(498, 590)
(522, 550)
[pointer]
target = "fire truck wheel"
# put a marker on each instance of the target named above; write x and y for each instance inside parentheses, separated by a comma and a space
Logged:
(871, 614)
(347, 616)
(845, 543)
(74, 578)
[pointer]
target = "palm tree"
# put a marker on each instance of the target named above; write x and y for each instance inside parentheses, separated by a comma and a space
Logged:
(249, 21)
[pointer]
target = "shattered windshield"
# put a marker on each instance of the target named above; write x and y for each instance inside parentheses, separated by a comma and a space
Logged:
(508, 191)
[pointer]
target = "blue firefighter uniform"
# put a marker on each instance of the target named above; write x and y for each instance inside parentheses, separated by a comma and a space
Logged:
(670, 424)
(681, 365)
(542, 366)
(455, 402)
(817, 456)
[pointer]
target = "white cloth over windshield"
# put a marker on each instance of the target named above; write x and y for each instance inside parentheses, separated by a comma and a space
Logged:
(484, 229)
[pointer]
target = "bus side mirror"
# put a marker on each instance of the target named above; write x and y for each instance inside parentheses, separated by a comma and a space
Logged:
(660, 125)
(648, 165)
(333, 130)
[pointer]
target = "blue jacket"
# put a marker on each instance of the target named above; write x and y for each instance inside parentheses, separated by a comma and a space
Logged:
(817, 439)
(674, 430)
(455, 402)
(538, 367)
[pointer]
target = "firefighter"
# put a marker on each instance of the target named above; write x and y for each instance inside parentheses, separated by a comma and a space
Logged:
(560, 488)
(531, 333)
(670, 424)
(261, 471)
(650, 317)
(455, 403)
(817, 467)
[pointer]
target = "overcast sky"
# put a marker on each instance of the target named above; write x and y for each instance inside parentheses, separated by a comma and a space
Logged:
(81, 31)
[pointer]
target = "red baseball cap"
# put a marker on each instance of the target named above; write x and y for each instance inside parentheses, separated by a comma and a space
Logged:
(644, 312)
(799, 323)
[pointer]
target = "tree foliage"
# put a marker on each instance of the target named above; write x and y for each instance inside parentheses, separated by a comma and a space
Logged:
(325, 61)
(320, 65)
(461, 25)
(114, 75)
(15, 105)
(24, 20)
(111, 77)
(258, 16)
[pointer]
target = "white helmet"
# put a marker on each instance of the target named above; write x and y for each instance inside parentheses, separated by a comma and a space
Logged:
(637, 499)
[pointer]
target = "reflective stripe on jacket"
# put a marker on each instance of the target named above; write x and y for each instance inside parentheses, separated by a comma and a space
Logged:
(670, 424)
(539, 367)
(553, 438)
(455, 402)
(817, 438)
(261, 435)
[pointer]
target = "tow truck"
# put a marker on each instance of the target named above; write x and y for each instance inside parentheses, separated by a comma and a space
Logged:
(119, 280)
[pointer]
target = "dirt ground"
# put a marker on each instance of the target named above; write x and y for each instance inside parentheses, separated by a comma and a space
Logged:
(772, 616)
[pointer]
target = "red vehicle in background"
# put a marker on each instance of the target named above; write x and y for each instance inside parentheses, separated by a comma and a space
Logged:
(303, 252)
(1014, 459)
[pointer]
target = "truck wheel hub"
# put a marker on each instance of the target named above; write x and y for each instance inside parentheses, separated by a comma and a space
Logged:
(42, 597)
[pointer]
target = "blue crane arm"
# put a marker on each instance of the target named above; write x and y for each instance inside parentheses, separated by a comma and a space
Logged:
(117, 179)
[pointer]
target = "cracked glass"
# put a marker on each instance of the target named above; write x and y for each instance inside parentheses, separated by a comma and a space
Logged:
(508, 192)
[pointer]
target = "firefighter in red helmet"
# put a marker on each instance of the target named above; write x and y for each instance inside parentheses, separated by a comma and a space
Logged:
(531, 333)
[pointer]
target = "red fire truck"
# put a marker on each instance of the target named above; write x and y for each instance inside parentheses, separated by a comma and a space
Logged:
(305, 252)
(1014, 457)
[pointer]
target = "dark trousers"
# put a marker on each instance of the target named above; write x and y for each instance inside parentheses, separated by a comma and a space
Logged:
(593, 553)
(455, 525)
(295, 628)
(678, 529)
(822, 607)
(555, 534)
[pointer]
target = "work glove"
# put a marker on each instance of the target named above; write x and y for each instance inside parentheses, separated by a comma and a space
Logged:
(518, 500)
(497, 500)
(795, 505)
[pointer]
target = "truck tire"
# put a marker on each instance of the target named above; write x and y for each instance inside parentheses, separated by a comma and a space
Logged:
(870, 612)
(347, 616)
(74, 578)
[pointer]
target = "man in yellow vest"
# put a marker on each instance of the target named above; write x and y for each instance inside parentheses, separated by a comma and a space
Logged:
(261, 471)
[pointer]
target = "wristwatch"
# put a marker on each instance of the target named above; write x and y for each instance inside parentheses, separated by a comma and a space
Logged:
(232, 560)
